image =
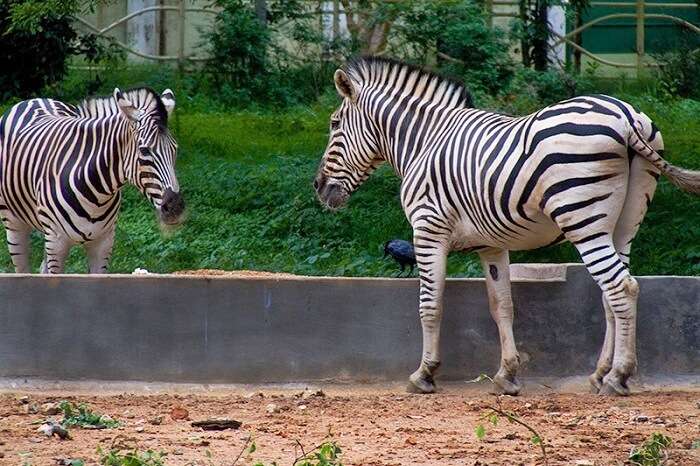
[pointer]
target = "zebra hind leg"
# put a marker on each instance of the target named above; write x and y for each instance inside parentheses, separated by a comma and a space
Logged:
(496, 270)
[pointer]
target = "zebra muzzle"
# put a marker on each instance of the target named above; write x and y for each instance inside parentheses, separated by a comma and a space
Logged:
(172, 208)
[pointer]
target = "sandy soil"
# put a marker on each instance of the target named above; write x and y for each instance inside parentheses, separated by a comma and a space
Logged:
(374, 427)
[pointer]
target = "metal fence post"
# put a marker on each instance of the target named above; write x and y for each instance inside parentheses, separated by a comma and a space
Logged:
(640, 37)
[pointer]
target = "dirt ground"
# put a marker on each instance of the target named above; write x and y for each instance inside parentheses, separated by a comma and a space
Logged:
(373, 426)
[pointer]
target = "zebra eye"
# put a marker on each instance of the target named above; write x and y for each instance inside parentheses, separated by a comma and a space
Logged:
(145, 151)
(335, 124)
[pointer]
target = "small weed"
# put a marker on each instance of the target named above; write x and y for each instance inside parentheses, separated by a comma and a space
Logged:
(328, 453)
(652, 452)
(116, 457)
(495, 413)
(82, 416)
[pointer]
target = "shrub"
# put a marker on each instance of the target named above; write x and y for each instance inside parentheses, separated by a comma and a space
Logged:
(679, 72)
(34, 53)
(456, 32)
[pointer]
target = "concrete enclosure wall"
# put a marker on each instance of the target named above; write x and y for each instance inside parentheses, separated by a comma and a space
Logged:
(239, 330)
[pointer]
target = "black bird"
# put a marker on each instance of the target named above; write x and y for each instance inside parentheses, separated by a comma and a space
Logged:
(402, 252)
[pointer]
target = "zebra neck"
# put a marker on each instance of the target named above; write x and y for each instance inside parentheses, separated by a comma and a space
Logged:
(408, 128)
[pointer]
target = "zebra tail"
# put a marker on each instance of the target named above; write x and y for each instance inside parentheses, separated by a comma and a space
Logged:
(687, 180)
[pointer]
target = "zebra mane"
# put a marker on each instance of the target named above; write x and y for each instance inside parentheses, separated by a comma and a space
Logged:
(376, 71)
(143, 98)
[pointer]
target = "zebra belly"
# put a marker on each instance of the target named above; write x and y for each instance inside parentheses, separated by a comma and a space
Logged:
(541, 232)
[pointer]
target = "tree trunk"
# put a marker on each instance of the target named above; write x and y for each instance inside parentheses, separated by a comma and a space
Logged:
(261, 11)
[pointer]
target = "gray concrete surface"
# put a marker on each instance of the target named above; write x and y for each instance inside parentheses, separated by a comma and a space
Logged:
(260, 330)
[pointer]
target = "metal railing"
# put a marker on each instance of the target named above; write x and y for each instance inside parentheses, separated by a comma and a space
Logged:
(640, 15)
(181, 9)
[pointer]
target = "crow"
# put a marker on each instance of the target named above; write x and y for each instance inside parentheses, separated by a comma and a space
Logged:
(402, 252)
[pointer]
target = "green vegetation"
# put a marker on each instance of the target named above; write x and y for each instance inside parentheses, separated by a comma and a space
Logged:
(81, 415)
(247, 179)
(652, 452)
(115, 457)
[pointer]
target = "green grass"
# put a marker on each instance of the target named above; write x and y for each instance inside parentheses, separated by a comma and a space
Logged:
(247, 179)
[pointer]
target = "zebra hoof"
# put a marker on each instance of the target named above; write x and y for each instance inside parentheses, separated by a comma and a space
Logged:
(613, 388)
(420, 383)
(509, 385)
(596, 382)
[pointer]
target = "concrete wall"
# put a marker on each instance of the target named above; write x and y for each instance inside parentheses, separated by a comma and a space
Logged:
(186, 329)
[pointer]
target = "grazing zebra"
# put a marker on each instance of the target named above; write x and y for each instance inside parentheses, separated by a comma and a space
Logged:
(583, 170)
(62, 168)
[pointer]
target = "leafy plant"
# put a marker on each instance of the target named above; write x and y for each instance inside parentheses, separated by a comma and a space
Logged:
(652, 452)
(82, 416)
(679, 71)
(115, 457)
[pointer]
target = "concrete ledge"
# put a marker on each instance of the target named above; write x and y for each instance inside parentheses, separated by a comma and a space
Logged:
(257, 330)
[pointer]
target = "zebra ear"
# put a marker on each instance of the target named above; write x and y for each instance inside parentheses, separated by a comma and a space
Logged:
(344, 85)
(168, 98)
(126, 107)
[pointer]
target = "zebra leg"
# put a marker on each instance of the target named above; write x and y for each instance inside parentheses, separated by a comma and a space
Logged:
(496, 266)
(620, 290)
(432, 262)
(18, 245)
(99, 252)
(605, 359)
(55, 252)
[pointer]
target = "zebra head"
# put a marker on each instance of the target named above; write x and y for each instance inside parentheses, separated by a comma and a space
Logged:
(151, 166)
(353, 151)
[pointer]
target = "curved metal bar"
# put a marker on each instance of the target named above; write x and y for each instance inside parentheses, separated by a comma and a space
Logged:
(646, 5)
(148, 10)
(593, 56)
(680, 21)
(592, 23)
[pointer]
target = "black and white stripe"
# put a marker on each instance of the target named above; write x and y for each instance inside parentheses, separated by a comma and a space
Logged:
(63, 166)
(582, 170)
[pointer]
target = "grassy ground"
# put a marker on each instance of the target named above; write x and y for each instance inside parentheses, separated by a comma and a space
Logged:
(247, 175)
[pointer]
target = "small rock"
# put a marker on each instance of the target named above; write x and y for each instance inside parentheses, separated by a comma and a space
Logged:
(255, 395)
(584, 463)
(527, 405)
(272, 408)
(301, 407)
(31, 408)
(178, 452)
(641, 418)
(140, 271)
(556, 414)
(50, 429)
(23, 400)
(510, 436)
(312, 394)
(50, 409)
(179, 413)
(139, 429)
(156, 421)
(411, 441)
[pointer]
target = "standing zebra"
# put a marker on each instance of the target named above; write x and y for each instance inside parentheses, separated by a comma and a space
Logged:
(583, 170)
(62, 168)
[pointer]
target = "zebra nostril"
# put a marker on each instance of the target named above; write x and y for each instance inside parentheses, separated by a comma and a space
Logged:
(316, 184)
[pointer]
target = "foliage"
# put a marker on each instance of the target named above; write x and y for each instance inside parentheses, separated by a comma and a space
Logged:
(465, 45)
(679, 72)
(115, 457)
(255, 61)
(652, 452)
(35, 47)
(327, 453)
(82, 416)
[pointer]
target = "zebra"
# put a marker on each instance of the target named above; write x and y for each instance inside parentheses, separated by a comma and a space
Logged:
(583, 170)
(62, 168)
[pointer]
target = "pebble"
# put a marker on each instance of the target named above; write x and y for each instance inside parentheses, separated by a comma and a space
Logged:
(50, 409)
(156, 421)
(641, 418)
(255, 395)
(272, 408)
(139, 429)
(584, 463)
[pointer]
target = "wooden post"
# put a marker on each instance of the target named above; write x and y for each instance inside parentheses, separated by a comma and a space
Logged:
(640, 38)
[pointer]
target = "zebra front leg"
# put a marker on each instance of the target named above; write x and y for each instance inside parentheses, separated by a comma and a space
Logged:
(99, 251)
(55, 252)
(18, 245)
(605, 359)
(496, 266)
(432, 260)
